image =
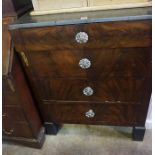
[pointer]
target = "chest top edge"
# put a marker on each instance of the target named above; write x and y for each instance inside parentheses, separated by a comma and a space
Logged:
(28, 21)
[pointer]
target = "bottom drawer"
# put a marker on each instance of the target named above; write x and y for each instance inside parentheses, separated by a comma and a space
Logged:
(16, 129)
(110, 114)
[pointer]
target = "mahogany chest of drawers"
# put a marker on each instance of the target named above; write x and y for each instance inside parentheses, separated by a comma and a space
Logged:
(20, 118)
(89, 70)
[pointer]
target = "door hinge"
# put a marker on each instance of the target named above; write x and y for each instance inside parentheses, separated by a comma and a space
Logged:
(24, 58)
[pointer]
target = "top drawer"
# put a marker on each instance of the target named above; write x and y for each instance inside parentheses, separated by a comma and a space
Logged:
(95, 35)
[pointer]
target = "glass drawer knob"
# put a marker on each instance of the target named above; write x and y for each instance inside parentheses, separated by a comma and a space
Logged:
(90, 113)
(88, 91)
(81, 37)
(84, 63)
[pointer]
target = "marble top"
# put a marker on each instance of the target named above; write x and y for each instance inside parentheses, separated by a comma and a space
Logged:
(29, 21)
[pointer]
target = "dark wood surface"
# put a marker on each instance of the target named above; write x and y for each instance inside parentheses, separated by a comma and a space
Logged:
(7, 45)
(21, 121)
(10, 90)
(13, 113)
(13, 128)
(117, 90)
(31, 142)
(105, 62)
(101, 35)
(109, 114)
(26, 98)
(120, 72)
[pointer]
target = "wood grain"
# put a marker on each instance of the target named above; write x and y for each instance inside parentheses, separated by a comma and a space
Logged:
(124, 62)
(14, 113)
(116, 90)
(21, 121)
(101, 35)
(104, 114)
(19, 112)
(120, 74)
(19, 129)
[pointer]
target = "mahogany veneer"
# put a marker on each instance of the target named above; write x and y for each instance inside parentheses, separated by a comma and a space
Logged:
(106, 62)
(101, 35)
(119, 75)
(21, 122)
(110, 114)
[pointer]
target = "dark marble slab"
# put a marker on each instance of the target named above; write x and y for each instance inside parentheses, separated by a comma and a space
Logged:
(28, 21)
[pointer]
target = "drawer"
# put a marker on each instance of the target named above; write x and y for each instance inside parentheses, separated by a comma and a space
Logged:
(95, 113)
(117, 90)
(13, 113)
(91, 63)
(93, 36)
(16, 129)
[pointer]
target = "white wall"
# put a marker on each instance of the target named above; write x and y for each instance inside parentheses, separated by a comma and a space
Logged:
(148, 123)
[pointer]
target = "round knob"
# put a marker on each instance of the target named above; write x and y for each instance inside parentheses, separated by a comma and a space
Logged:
(90, 113)
(81, 37)
(88, 91)
(85, 63)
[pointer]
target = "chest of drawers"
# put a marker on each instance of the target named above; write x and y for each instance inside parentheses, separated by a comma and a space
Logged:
(93, 71)
(20, 119)
(21, 122)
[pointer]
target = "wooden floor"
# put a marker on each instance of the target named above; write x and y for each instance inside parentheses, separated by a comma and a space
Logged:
(87, 140)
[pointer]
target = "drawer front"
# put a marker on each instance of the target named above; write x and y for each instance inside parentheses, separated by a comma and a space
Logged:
(91, 63)
(16, 129)
(93, 36)
(94, 114)
(13, 113)
(117, 90)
